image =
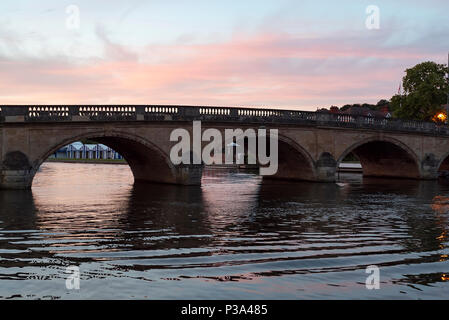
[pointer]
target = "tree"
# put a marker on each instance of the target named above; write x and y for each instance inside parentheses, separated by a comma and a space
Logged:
(425, 91)
(382, 103)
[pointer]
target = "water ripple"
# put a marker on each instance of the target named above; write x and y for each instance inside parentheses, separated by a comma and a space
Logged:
(235, 237)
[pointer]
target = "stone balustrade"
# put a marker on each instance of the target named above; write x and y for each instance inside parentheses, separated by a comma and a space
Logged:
(57, 113)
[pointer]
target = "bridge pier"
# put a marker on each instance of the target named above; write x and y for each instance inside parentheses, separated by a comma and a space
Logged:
(326, 168)
(189, 175)
(16, 171)
(16, 179)
(184, 175)
(429, 167)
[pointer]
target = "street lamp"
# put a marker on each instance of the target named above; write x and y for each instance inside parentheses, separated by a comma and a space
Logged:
(441, 117)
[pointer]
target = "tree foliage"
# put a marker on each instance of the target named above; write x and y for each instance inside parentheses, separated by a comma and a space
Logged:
(425, 91)
(378, 106)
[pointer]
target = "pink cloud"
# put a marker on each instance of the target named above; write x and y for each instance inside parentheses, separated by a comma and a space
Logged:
(275, 70)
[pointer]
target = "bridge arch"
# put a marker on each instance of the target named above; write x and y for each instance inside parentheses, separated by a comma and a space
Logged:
(385, 157)
(294, 161)
(443, 163)
(145, 159)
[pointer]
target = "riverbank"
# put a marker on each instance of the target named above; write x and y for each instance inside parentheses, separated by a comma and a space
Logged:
(350, 167)
(344, 167)
(92, 161)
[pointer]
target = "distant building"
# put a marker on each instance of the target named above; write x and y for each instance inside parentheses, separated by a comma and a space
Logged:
(78, 150)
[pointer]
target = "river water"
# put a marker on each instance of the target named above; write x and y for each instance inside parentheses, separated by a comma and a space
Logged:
(233, 238)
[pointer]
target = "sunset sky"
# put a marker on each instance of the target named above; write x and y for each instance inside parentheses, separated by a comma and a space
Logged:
(280, 54)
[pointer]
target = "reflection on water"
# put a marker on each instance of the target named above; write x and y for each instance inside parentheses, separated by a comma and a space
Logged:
(233, 238)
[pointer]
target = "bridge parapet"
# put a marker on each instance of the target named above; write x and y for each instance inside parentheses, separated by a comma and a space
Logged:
(60, 113)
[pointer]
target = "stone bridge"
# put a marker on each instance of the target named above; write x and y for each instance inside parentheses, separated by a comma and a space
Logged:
(311, 145)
